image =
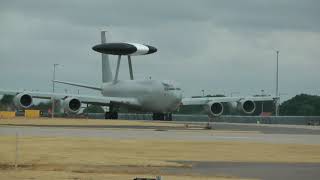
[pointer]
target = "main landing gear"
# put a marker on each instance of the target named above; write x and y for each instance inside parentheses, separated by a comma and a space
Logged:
(112, 114)
(209, 124)
(162, 116)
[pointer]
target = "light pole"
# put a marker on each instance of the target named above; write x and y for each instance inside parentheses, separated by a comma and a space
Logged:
(52, 98)
(262, 94)
(277, 86)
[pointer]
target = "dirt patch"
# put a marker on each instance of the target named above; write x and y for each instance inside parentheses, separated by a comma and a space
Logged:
(100, 158)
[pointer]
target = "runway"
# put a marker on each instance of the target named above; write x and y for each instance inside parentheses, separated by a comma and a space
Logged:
(222, 132)
(195, 132)
(256, 170)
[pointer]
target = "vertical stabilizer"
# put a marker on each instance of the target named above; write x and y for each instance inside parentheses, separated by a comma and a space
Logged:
(106, 69)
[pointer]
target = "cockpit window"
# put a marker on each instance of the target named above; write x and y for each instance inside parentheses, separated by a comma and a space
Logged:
(169, 87)
(166, 84)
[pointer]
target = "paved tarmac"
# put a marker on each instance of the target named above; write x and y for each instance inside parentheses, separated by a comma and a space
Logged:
(263, 128)
(221, 132)
(255, 170)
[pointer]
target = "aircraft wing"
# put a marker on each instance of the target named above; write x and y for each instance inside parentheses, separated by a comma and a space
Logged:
(214, 106)
(87, 99)
(205, 100)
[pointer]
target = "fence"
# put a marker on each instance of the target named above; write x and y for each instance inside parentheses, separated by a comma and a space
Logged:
(297, 120)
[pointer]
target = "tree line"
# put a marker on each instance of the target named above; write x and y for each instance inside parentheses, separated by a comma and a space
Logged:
(301, 105)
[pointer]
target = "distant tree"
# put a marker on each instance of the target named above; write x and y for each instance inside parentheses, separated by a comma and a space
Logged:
(7, 102)
(268, 106)
(191, 109)
(43, 106)
(46, 105)
(301, 105)
(93, 109)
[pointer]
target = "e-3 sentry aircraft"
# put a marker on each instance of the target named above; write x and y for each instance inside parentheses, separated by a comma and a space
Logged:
(159, 97)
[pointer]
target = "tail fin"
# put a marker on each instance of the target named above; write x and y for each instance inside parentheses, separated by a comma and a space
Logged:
(106, 69)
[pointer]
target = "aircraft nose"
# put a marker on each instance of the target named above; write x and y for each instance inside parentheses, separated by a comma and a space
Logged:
(151, 49)
(177, 96)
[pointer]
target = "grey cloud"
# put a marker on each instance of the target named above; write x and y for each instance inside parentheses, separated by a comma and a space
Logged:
(219, 45)
(245, 14)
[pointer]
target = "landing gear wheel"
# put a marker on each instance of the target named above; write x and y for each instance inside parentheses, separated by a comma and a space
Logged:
(155, 116)
(162, 116)
(107, 115)
(209, 124)
(158, 116)
(111, 115)
(114, 115)
(168, 117)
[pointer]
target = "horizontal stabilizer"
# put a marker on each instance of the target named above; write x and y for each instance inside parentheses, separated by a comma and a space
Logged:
(79, 85)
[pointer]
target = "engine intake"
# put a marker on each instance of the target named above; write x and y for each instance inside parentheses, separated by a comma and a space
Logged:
(247, 106)
(23, 100)
(214, 108)
(72, 105)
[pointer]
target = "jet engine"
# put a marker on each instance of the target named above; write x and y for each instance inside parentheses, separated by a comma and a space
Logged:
(23, 100)
(72, 105)
(214, 108)
(247, 106)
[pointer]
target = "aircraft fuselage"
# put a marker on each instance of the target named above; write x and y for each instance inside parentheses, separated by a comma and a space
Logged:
(154, 96)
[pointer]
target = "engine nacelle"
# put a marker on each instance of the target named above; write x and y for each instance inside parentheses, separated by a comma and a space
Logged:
(23, 100)
(247, 106)
(214, 108)
(72, 105)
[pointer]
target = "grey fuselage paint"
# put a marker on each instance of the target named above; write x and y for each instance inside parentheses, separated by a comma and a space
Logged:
(152, 95)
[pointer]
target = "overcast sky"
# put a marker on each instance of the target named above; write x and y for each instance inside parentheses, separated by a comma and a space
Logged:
(219, 46)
